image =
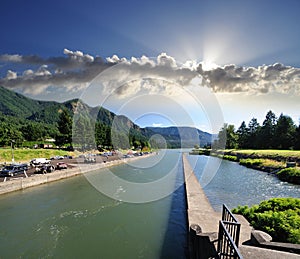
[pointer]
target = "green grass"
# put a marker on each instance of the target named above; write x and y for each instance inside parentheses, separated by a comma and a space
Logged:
(262, 162)
(25, 155)
(269, 153)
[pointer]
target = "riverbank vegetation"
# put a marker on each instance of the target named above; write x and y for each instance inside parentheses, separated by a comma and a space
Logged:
(290, 175)
(279, 217)
(271, 161)
(269, 147)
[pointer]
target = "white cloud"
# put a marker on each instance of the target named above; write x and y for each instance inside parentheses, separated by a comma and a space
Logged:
(75, 70)
(164, 60)
(11, 75)
(79, 56)
(10, 58)
(157, 125)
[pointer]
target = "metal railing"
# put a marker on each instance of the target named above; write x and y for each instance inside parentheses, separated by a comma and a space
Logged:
(227, 215)
(227, 247)
(228, 238)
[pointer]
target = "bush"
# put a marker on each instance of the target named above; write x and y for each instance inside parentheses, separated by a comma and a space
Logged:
(291, 175)
(230, 158)
(249, 162)
(279, 217)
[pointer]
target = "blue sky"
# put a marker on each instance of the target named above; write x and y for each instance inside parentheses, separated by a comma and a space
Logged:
(53, 40)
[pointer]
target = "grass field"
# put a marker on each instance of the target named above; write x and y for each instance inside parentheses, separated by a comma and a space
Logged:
(268, 153)
(25, 155)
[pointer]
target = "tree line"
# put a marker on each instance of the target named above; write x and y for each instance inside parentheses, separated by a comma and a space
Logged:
(71, 131)
(274, 133)
(84, 133)
(19, 130)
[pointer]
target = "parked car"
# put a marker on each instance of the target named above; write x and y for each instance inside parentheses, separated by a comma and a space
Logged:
(61, 165)
(44, 168)
(56, 158)
(89, 159)
(39, 161)
(12, 170)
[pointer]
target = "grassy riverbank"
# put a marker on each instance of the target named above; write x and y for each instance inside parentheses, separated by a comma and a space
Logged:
(271, 161)
(25, 155)
(273, 154)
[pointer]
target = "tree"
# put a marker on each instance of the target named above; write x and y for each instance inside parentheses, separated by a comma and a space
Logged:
(297, 137)
(266, 134)
(8, 133)
(232, 137)
(83, 133)
(227, 138)
(254, 129)
(33, 131)
(243, 136)
(65, 128)
(284, 135)
(103, 135)
(220, 142)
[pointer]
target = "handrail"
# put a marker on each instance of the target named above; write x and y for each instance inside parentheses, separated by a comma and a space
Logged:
(227, 247)
(227, 215)
(233, 228)
(229, 233)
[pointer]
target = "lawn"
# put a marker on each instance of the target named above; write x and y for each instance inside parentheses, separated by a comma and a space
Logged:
(25, 155)
(268, 153)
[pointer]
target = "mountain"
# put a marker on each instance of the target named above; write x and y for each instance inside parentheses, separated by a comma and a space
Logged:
(185, 137)
(19, 106)
(15, 105)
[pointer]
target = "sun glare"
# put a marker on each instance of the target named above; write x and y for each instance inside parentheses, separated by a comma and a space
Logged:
(208, 65)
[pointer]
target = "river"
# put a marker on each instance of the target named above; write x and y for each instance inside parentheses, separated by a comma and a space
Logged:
(73, 219)
(235, 185)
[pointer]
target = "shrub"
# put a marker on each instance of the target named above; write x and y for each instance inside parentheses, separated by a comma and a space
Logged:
(249, 162)
(291, 175)
(230, 158)
(279, 217)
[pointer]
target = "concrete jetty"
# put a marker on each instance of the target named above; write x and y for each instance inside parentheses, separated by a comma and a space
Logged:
(201, 213)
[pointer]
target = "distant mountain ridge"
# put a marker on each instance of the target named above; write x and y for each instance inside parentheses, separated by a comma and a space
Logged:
(183, 136)
(19, 106)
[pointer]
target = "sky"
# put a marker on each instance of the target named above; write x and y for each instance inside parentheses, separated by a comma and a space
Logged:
(161, 63)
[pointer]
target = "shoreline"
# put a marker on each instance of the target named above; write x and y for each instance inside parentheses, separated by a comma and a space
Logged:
(253, 161)
(38, 179)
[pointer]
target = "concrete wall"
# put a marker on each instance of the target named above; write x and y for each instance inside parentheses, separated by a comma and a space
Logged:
(23, 183)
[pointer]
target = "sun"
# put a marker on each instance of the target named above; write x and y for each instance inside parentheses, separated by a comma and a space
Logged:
(208, 65)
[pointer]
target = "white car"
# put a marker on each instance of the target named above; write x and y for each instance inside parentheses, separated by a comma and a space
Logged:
(39, 161)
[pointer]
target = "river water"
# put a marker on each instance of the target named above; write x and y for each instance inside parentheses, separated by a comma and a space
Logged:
(235, 185)
(73, 219)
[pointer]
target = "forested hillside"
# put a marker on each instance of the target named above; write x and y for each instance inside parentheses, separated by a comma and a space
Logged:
(73, 122)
